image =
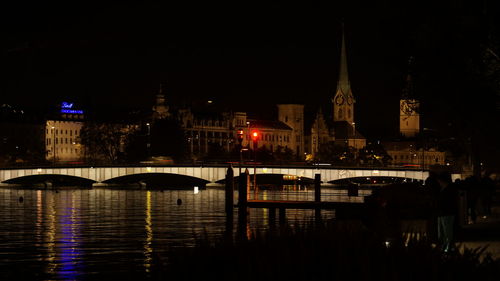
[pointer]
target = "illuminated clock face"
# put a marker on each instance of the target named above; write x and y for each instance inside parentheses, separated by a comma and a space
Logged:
(406, 108)
(409, 106)
(339, 100)
(349, 100)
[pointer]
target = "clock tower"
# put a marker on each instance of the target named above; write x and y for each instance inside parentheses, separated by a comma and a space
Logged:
(343, 101)
(160, 109)
(409, 108)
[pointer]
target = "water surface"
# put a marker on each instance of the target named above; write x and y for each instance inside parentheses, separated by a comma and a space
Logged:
(83, 234)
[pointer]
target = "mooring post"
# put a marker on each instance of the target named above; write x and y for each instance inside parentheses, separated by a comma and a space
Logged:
(229, 190)
(272, 216)
(317, 196)
(282, 215)
(243, 189)
(317, 188)
(244, 182)
(229, 204)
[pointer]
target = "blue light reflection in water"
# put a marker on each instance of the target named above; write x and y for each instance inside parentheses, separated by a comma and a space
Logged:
(69, 245)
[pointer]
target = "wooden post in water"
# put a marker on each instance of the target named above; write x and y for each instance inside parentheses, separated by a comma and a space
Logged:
(282, 215)
(229, 203)
(229, 190)
(317, 195)
(272, 216)
(317, 188)
(243, 186)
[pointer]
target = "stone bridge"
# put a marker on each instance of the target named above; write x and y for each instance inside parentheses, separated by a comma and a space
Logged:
(210, 174)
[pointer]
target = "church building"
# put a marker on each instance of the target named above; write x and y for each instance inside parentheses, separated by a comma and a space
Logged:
(344, 125)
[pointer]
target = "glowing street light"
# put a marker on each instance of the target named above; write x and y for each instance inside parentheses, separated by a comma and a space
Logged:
(54, 143)
(255, 138)
(148, 145)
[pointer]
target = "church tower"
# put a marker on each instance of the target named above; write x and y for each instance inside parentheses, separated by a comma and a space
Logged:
(409, 116)
(343, 101)
(293, 116)
(160, 109)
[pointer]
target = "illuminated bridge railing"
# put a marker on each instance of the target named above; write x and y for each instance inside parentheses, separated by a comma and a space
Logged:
(210, 173)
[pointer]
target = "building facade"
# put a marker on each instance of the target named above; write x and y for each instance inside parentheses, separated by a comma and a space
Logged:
(407, 154)
(206, 132)
(62, 142)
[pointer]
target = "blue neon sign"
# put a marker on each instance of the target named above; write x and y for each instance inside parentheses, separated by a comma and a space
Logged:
(72, 111)
(67, 107)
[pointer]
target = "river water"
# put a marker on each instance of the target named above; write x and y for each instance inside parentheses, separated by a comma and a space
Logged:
(80, 234)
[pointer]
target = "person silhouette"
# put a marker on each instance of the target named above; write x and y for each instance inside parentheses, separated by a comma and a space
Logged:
(446, 211)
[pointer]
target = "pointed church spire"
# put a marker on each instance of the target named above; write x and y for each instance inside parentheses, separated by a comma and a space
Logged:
(409, 90)
(343, 84)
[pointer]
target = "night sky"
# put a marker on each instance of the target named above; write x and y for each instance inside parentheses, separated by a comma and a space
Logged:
(246, 57)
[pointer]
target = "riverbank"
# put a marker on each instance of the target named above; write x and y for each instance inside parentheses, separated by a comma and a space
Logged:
(340, 250)
(485, 232)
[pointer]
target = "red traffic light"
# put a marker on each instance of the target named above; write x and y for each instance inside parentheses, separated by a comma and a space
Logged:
(255, 135)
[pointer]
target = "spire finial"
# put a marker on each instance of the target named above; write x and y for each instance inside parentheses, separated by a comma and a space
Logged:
(409, 91)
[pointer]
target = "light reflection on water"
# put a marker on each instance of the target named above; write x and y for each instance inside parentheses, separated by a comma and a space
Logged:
(77, 234)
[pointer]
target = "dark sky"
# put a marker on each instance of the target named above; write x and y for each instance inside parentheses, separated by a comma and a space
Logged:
(246, 57)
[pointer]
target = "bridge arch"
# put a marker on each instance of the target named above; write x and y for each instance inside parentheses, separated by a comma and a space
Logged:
(157, 180)
(50, 179)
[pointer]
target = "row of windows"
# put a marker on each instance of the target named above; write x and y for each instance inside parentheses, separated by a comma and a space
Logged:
(70, 132)
(209, 123)
(225, 135)
(272, 137)
(60, 141)
(64, 150)
(407, 157)
(204, 134)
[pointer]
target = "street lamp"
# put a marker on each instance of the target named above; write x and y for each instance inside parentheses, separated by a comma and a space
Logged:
(148, 145)
(354, 136)
(240, 141)
(255, 138)
(54, 144)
